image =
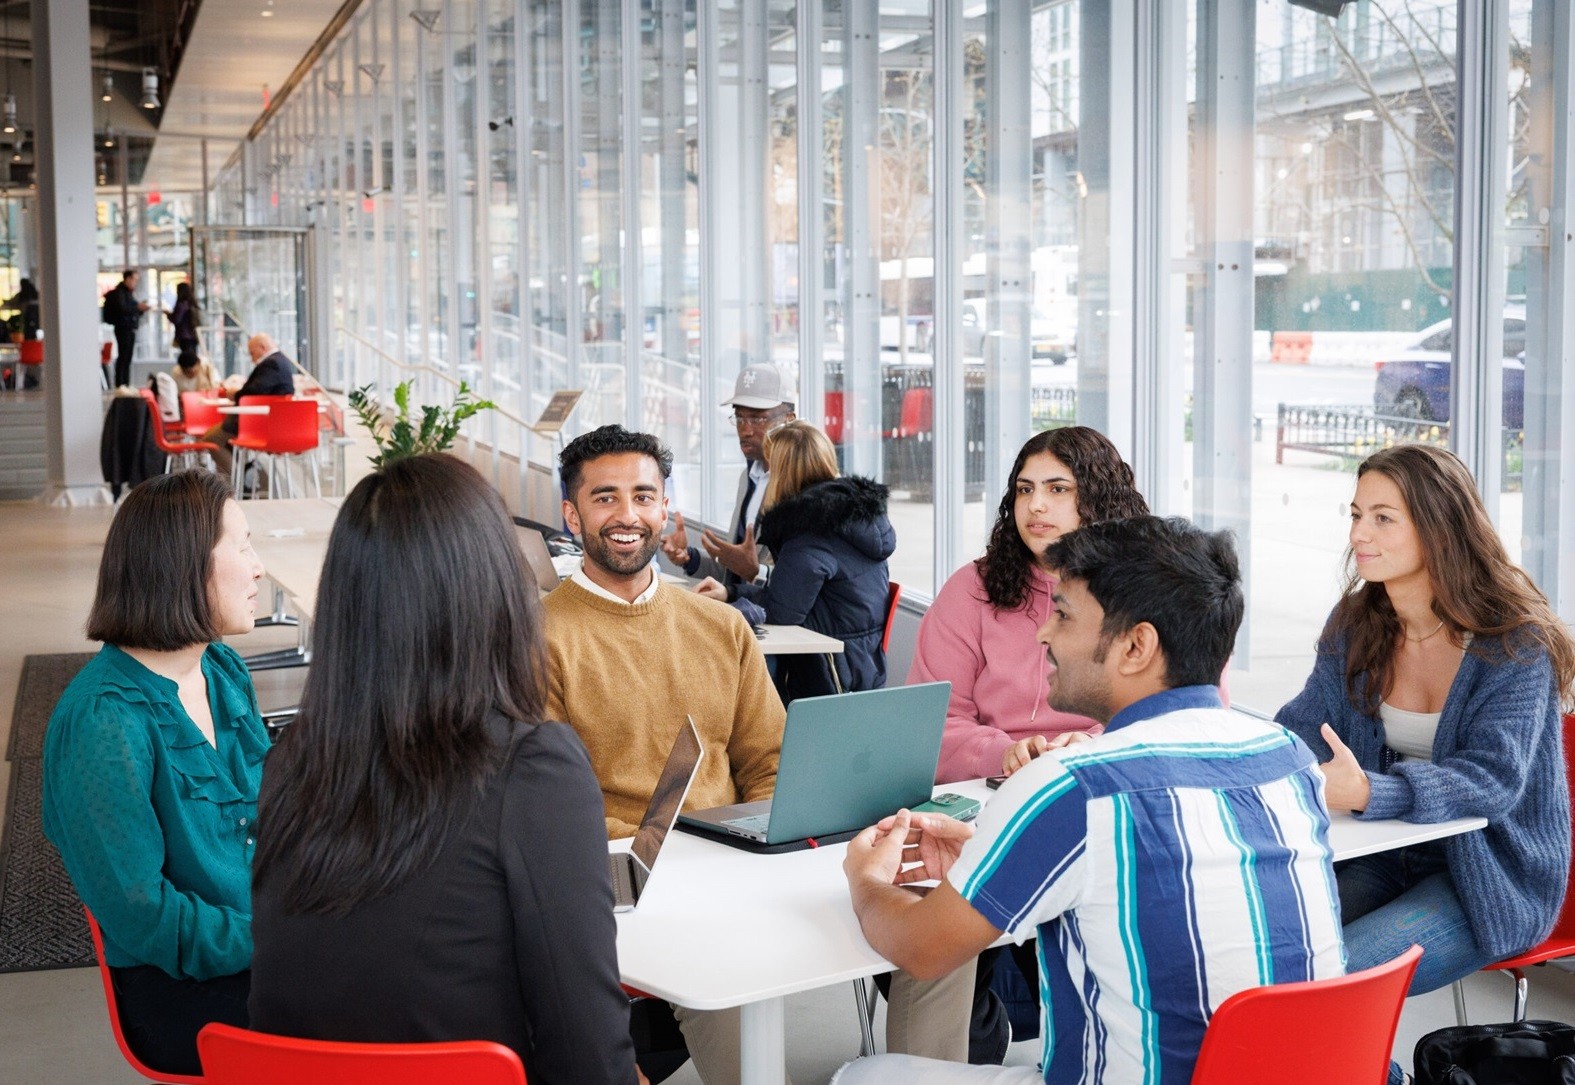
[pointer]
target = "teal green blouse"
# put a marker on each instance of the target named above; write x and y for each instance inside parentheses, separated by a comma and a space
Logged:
(153, 823)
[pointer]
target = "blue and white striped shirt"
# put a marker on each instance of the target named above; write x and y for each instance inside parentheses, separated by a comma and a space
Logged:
(1178, 858)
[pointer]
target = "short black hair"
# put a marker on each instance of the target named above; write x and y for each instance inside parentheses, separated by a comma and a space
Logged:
(187, 358)
(608, 441)
(158, 558)
(1182, 580)
(128, 273)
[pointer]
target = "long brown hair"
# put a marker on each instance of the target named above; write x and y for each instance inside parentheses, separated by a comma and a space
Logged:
(1106, 490)
(799, 455)
(1476, 588)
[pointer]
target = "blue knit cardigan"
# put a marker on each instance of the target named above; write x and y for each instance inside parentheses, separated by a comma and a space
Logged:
(1497, 754)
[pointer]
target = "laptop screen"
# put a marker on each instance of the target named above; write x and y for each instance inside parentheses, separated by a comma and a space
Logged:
(671, 788)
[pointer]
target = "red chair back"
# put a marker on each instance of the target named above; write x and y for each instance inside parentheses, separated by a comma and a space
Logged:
(200, 415)
(834, 416)
(233, 1056)
(292, 426)
(114, 1014)
(104, 352)
(1308, 1033)
(918, 412)
(893, 594)
(30, 352)
(251, 430)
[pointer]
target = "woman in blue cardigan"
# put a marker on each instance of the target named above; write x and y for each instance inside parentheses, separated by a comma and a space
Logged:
(1437, 694)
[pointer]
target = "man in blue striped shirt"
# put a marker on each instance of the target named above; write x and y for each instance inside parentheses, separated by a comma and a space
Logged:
(1176, 859)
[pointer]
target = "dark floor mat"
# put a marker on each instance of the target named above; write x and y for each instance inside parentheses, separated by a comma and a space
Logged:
(44, 679)
(41, 924)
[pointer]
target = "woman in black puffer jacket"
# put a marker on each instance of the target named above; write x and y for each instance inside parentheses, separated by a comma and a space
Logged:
(831, 538)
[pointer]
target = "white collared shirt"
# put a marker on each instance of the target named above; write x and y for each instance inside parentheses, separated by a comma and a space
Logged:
(579, 577)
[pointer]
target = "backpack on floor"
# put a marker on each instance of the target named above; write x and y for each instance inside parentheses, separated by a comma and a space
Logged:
(1518, 1053)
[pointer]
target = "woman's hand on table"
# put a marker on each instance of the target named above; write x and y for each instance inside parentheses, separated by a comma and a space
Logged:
(1345, 784)
(712, 588)
(1025, 750)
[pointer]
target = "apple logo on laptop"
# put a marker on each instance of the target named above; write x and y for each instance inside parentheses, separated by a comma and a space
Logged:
(863, 760)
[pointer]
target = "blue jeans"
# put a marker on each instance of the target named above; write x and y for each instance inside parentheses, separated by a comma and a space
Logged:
(1393, 899)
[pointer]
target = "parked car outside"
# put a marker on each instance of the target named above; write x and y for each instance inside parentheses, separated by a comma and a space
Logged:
(1415, 382)
(1048, 341)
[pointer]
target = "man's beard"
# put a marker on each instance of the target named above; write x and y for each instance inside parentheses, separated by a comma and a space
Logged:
(598, 551)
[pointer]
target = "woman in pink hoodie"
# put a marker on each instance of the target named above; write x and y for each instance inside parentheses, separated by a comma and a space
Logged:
(979, 634)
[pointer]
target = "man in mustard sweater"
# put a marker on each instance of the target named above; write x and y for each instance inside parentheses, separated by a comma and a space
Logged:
(628, 658)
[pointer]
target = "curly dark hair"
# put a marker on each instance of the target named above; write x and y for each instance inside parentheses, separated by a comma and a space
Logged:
(1106, 490)
(608, 441)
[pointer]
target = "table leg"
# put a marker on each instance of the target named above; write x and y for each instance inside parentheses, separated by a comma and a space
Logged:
(763, 1043)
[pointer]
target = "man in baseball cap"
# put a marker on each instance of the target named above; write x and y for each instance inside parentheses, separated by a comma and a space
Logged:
(762, 400)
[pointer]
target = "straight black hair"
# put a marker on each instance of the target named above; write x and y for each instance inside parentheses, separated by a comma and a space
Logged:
(158, 557)
(1180, 579)
(428, 626)
(608, 441)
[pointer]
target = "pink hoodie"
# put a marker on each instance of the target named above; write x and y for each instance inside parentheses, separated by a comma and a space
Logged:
(996, 705)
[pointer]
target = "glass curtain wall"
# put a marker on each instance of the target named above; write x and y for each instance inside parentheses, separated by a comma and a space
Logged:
(930, 216)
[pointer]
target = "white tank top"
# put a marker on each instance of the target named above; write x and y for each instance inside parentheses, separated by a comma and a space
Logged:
(1409, 734)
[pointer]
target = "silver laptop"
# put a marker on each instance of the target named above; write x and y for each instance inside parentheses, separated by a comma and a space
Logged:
(631, 869)
(537, 557)
(847, 761)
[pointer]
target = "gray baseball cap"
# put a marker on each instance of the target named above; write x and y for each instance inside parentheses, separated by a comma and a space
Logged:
(759, 387)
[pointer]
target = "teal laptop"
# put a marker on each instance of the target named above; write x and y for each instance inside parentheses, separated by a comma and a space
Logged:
(848, 760)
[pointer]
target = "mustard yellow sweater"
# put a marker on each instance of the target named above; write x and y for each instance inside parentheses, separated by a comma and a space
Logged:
(624, 676)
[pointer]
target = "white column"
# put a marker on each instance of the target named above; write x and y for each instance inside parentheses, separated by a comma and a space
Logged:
(67, 251)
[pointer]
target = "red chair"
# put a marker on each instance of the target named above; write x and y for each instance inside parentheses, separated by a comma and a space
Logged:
(29, 354)
(287, 429)
(234, 1056)
(104, 350)
(199, 414)
(1559, 944)
(175, 445)
(1309, 1033)
(834, 416)
(114, 1014)
(893, 594)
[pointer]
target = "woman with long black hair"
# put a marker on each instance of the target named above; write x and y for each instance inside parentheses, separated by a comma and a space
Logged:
(431, 860)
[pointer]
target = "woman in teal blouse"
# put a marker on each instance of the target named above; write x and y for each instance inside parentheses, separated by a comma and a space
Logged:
(152, 763)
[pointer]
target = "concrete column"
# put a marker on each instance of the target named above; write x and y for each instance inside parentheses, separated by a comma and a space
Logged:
(67, 250)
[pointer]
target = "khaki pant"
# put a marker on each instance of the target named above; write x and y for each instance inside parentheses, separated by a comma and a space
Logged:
(924, 1017)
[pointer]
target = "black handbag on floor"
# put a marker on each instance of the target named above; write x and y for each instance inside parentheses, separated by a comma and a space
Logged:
(1520, 1053)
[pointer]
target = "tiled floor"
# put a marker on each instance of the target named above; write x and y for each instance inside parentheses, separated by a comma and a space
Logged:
(52, 1026)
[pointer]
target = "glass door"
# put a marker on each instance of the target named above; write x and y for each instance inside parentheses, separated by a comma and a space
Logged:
(250, 280)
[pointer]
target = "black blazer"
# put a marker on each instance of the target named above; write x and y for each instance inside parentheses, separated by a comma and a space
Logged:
(273, 376)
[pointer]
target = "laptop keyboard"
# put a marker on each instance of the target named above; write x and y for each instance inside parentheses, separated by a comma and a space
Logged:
(621, 868)
(754, 823)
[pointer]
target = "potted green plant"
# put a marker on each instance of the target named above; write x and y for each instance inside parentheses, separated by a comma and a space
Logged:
(434, 431)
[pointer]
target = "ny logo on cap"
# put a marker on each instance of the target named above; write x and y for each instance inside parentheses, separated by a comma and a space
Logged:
(749, 378)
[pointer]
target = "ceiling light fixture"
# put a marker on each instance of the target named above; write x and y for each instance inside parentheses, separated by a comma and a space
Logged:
(108, 94)
(109, 139)
(150, 88)
(427, 17)
(10, 114)
(267, 12)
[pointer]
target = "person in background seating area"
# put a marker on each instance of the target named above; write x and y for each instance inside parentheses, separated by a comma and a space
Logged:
(153, 760)
(761, 401)
(272, 375)
(194, 374)
(830, 538)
